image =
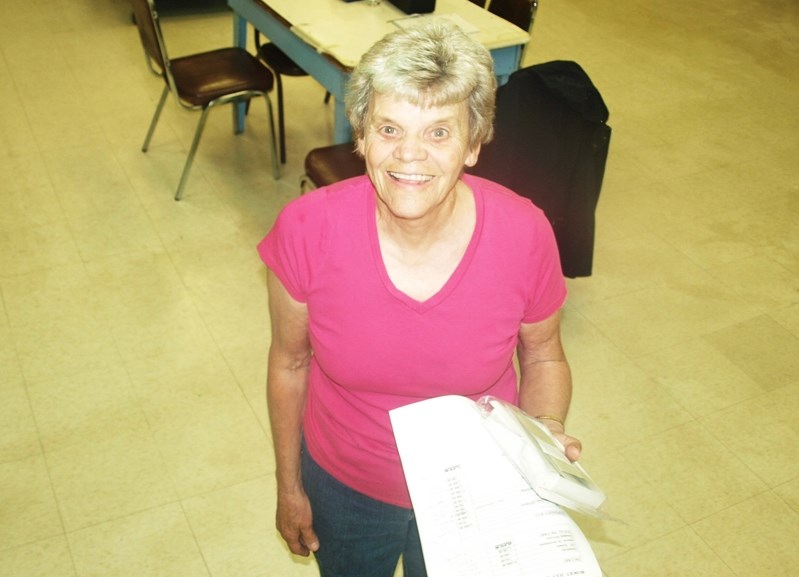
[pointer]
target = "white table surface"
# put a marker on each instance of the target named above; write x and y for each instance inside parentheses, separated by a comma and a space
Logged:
(346, 30)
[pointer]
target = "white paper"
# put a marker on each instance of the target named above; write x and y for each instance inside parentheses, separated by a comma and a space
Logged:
(477, 515)
(420, 19)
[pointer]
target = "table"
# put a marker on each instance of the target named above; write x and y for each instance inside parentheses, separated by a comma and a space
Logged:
(327, 38)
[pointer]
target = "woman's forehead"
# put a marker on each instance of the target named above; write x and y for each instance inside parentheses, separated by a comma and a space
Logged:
(392, 104)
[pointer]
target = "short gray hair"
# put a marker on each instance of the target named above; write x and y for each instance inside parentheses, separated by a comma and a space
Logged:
(433, 64)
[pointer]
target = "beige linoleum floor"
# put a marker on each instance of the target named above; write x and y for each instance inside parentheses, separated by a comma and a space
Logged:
(133, 329)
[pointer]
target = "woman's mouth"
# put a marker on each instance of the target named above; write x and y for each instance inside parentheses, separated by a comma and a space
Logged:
(410, 178)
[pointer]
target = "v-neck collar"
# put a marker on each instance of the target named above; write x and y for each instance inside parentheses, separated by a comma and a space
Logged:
(455, 277)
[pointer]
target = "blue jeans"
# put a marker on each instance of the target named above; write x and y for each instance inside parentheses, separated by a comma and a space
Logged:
(359, 536)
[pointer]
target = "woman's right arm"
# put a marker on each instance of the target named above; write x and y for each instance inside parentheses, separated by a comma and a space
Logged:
(286, 390)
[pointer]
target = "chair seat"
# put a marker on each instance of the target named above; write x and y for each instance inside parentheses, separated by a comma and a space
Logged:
(204, 77)
(330, 164)
(200, 81)
(279, 61)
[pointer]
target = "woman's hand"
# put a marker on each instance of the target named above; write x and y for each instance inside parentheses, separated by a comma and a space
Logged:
(295, 522)
(571, 445)
(286, 388)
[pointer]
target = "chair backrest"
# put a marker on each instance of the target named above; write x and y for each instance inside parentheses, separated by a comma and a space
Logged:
(518, 12)
(152, 39)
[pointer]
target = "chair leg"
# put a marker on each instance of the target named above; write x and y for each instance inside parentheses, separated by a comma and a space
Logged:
(273, 140)
(306, 183)
(154, 121)
(190, 159)
(280, 122)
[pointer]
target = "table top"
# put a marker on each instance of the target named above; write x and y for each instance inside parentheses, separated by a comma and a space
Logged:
(346, 30)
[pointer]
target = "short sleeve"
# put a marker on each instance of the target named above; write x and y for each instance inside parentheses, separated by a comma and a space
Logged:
(295, 243)
(548, 288)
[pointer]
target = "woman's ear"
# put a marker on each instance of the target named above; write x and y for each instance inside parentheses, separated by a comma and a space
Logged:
(360, 147)
(471, 157)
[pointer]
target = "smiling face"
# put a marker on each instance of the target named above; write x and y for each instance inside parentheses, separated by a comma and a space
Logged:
(415, 155)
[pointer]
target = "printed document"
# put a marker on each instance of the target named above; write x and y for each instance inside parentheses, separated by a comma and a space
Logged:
(477, 515)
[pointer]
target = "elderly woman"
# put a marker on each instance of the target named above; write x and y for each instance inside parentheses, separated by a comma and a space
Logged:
(413, 281)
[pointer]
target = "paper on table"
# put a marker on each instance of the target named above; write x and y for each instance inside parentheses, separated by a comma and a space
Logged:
(477, 515)
(418, 20)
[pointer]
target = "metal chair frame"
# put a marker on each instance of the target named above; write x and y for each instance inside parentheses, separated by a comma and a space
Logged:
(160, 65)
(281, 65)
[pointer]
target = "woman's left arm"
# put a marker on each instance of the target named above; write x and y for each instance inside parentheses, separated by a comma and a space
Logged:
(545, 384)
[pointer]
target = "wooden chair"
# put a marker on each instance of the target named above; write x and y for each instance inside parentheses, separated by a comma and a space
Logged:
(201, 81)
(329, 164)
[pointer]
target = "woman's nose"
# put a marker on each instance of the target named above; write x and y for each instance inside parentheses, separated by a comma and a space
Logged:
(410, 148)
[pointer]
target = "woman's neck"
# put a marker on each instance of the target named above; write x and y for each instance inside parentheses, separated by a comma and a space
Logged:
(420, 257)
(421, 234)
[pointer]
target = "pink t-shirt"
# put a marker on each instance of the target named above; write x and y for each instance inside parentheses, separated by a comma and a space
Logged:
(376, 349)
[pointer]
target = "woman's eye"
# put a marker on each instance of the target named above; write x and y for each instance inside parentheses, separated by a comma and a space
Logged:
(440, 133)
(388, 130)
